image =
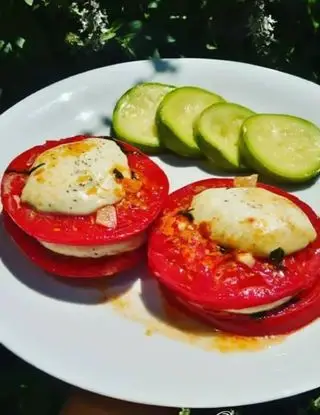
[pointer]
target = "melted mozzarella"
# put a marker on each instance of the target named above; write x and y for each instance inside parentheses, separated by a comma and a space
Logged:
(76, 178)
(97, 251)
(261, 308)
(253, 220)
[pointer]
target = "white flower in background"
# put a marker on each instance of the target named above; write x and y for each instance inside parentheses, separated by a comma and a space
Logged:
(94, 28)
(261, 26)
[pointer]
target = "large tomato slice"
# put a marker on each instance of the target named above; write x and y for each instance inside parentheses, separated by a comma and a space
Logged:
(134, 213)
(66, 266)
(303, 310)
(196, 268)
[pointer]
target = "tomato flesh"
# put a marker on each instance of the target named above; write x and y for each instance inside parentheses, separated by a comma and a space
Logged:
(286, 319)
(194, 268)
(134, 213)
(66, 266)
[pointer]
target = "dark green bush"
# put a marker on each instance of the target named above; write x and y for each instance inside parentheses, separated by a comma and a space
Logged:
(49, 39)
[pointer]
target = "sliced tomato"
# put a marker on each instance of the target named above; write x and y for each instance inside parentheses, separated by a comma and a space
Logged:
(134, 213)
(66, 266)
(301, 311)
(195, 268)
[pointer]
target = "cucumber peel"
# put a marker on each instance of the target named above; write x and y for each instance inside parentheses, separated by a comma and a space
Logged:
(134, 116)
(218, 133)
(177, 114)
(284, 147)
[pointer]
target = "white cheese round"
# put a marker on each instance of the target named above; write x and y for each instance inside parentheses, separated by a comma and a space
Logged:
(76, 178)
(252, 219)
(97, 251)
(261, 308)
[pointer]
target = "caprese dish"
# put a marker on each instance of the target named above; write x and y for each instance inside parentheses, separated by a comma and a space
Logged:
(242, 255)
(81, 206)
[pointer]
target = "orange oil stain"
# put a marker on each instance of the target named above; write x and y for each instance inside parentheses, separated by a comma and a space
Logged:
(175, 325)
(76, 148)
(83, 178)
(92, 191)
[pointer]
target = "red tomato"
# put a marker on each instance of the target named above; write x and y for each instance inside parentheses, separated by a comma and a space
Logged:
(134, 213)
(67, 266)
(303, 310)
(195, 268)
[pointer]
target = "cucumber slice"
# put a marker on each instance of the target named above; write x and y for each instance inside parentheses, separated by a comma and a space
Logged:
(134, 116)
(218, 133)
(284, 147)
(176, 116)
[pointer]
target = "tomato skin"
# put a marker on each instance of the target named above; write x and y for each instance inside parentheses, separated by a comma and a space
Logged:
(134, 213)
(71, 267)
(285, 320)
(190, 280)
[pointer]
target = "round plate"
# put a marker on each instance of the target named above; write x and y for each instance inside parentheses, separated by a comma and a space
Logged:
(76, 331)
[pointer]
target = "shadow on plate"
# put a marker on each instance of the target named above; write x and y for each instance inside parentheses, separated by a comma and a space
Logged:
(89, 133)
(105, 121)
(176, 161)
(181, 162)
(288, 187)
(80, 291)
(159, 308)
(159, 66)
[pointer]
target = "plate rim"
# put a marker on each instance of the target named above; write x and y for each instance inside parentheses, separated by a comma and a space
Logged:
(288, 393)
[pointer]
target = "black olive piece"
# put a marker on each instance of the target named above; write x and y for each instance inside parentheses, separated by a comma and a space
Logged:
(36, 167)
(259, 315)
(223, 249)
(187, 214)
(26, 172)
(276, 257)
(118, 174)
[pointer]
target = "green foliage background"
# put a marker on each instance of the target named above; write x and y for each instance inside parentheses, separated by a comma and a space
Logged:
(42, 41)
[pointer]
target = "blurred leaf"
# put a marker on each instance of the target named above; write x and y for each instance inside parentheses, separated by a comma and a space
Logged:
(170, 39)
(135, 25)
(20, 42)
(316, 404)
(108, 35)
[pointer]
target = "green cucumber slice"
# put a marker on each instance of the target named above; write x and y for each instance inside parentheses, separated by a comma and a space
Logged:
(177, 114)
(218, 133)
(134, 116)
(284, 147)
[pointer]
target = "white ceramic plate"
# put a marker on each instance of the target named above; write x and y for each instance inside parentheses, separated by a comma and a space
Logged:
(68, 332)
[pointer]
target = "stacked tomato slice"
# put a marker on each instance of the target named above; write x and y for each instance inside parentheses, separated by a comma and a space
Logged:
(144, 198)
(208, 281)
